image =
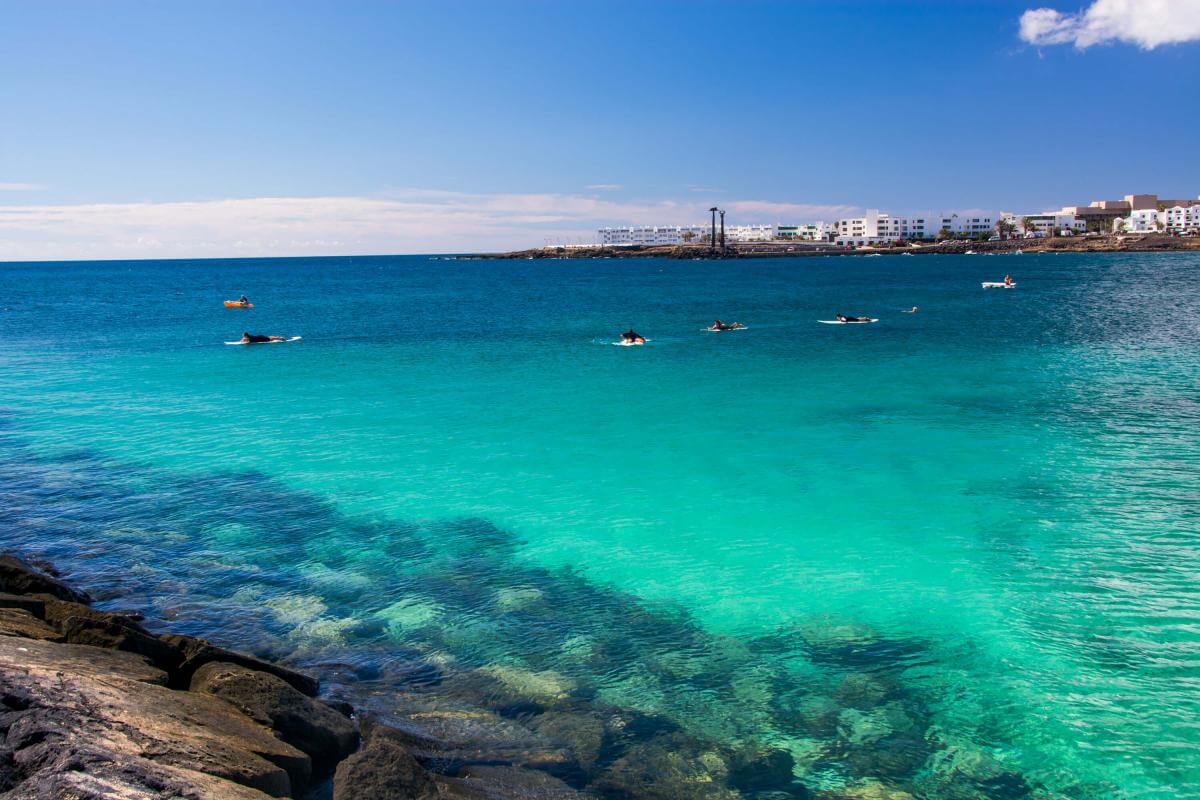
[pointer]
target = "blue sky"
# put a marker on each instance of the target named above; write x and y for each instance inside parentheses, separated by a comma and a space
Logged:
(210, 128)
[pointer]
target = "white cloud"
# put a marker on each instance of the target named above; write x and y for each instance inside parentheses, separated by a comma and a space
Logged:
(604, 187)
(20, 187)
(1146, 23)
(404, 221)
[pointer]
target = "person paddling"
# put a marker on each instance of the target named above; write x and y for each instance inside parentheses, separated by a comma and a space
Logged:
(843, 318)
(1008, 281)
(632, 337)
(253, 338)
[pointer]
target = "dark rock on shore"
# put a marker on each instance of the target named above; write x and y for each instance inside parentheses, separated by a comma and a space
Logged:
(87, 709)
(19, 622)
(20, 577)
(383, 770)
(322, 733)
(112, 707)
(195, 653)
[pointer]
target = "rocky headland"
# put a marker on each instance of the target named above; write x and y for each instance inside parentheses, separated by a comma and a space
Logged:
(1127, 243)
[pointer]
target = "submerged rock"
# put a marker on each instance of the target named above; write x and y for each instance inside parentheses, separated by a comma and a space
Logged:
(545, 686)
(867, 790)
(449, 736)
(963, 772)
(583, 734)
(771, 770)
(506, 783)
(666, 768)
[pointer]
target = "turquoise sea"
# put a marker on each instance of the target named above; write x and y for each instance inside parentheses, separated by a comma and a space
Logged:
(956, 552)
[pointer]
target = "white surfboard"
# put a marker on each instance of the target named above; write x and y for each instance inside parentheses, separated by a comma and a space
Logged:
(277, 341)
(999, 285)
(846, 322)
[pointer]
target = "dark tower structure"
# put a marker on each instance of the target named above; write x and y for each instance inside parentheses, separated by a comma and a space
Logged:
(712, 241)
(722, 230)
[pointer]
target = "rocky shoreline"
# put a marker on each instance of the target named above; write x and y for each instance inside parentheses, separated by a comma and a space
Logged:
(1128, 243)
(97, 705)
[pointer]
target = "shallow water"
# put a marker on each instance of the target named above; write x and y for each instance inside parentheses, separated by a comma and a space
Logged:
(989, 506)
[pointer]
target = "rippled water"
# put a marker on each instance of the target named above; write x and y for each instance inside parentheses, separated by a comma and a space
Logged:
(962, 542)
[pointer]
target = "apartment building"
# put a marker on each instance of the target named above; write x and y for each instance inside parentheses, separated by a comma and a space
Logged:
(876, 228)
(653, 234)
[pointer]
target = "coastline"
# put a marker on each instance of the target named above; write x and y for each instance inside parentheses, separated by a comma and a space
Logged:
(1135, 243)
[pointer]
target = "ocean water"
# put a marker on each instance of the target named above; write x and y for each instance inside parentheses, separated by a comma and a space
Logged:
(956, 551)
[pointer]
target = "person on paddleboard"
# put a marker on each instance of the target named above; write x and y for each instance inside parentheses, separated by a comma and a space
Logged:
(244, 300)
(843, 318)
(1008, 281)
(632, 337)
(252, 338)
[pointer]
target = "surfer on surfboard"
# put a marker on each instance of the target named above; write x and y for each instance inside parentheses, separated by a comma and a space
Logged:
(252, 338)
(1008, 281)
(843, 318)
(912, 310)
(721, 326)
(632, 337)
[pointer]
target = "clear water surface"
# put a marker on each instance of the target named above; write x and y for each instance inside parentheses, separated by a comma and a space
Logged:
(996, 498)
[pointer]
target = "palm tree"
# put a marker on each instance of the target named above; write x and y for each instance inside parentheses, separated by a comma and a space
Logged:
(1027, 225)
(687, 236)
(1005, 228)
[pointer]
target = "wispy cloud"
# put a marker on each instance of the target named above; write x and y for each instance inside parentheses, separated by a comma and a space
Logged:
(1145, 23)
(20, 187)
(604, 187)
(402, 221)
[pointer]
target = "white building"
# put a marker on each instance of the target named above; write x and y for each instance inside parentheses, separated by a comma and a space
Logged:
(1145, 220)
(653, 234)
(1181, 218)
(876, 228)
(749, 233)
(812, 232)
(1049, 223)
(697, 234)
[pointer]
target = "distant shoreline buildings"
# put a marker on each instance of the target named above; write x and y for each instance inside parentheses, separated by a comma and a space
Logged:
(1136, 213)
